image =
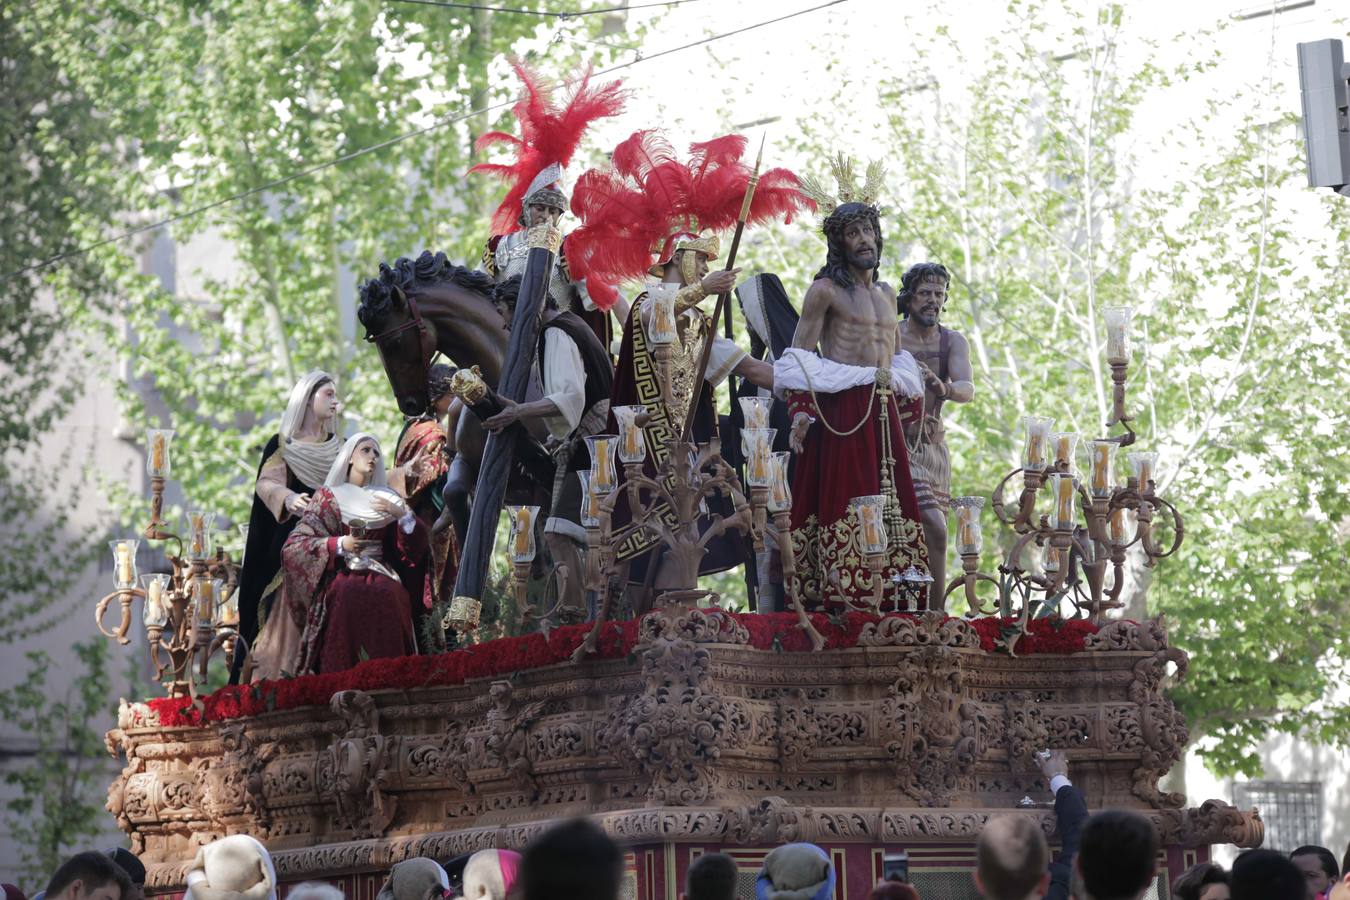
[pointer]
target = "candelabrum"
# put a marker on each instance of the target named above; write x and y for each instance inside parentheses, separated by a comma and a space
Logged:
(1087, 529)
(670, 504)
(189, 614)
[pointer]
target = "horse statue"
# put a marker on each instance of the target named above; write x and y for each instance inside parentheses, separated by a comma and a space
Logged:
(416, 308)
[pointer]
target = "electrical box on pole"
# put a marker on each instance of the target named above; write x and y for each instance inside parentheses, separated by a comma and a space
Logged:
(1324, 80)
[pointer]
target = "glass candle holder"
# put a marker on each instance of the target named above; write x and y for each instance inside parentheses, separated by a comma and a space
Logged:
(157, 452)
(1062, 488)
(1117, 334)
(632, 440)
(755, 411)
(780, 490)
(1064, 444)
(758, 456)
(969, 532)
(1142, 464)
(603, 476)
(206, 593)
(124, 563)
(1038, 436)
(1053, 559)
(522, 533)
(155, 613)
(590, 502)
(227, 611)
(1102, 457)
(661, 326)
(199, 533)
(1119, 525)
(871, 523)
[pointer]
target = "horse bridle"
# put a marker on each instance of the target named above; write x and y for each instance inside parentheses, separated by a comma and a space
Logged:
(415, 321)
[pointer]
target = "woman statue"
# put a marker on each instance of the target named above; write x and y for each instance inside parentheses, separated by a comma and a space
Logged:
(422, 463)
(294, 464)
(352, 565)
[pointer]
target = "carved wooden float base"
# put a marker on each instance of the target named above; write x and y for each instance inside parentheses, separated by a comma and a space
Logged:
(909, 739)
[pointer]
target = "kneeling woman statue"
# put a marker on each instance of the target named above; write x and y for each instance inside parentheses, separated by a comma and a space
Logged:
(352, 563)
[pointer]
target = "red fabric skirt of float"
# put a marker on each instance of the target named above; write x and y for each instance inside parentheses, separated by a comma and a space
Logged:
(831, 471)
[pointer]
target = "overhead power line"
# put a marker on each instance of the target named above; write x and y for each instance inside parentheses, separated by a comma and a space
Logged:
(373, 148)
(539, 12)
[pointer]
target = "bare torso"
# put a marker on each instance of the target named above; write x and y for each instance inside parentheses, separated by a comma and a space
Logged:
(853, 325)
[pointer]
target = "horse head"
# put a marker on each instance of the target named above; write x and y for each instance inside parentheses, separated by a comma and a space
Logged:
(417, 307)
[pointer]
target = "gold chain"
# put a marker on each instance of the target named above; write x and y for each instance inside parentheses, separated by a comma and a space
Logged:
(867, 414)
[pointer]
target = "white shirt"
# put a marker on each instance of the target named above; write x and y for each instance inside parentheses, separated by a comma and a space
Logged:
(564, 379)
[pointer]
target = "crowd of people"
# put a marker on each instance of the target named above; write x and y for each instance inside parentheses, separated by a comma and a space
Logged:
(1110, 855)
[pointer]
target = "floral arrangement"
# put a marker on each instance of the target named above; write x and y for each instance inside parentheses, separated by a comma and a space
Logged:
(773, 631)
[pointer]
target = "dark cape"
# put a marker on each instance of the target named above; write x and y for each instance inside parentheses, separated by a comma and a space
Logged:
(262, 561)
(634, 387)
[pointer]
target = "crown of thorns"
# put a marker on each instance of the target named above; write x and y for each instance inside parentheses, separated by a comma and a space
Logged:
(850, 191)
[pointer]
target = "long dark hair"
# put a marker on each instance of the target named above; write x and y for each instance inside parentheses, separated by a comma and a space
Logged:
(834, 226)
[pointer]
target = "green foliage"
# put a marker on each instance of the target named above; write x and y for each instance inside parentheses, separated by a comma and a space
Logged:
(58, 805)
(1017, 166)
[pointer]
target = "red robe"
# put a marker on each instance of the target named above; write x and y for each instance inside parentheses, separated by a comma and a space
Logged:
(350, 616)
(831, 471)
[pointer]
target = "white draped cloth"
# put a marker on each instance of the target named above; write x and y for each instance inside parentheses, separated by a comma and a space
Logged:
(802, 370)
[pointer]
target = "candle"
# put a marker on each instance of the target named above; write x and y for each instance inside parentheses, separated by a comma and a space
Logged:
(1142, 463)
(870, 520)
(662, 328)
(632, 441)
(125, 567)
(199, 533)
(759, 442)
(969, 536)
(522, 532)
(1117, 334)
(1052, 559)
(157, 451)
(755, 411)
(1103, 454)
(590, 502)
(1038, 429)
(1065, 442)
(1118, 525)
(154, 598)
(206, 601)
(229, 611)
(1064, 494)
(780, 493)
(603, 476)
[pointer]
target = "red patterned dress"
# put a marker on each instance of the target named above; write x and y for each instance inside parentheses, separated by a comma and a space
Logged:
(351, 614)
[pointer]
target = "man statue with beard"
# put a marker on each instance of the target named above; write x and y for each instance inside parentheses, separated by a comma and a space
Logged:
(848, 401)
(944, 362)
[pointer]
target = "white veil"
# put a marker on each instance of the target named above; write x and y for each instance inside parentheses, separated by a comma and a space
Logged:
(354, 500)
(309, 460)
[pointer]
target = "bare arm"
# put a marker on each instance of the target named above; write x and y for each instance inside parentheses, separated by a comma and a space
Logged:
(811, 325)
(959, 372)
(756, 371)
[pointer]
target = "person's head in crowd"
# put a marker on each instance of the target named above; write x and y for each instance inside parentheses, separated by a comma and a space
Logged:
(490, 874)
(1117, 855)
(711, 877)
(1266, 875)
(315, 890)
(89, 876)
(1012, 860)
(1318, 866)
(796, 872)
(574, 860)
(893, 890)
(414, 879)
(13, 892)
(237, 867)
(135, 869)
(1202, 881)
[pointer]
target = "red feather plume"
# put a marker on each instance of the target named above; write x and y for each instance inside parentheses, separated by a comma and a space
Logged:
(548, 134)
(649, 194)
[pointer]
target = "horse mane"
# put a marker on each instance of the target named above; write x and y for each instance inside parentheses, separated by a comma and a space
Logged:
(409, 275)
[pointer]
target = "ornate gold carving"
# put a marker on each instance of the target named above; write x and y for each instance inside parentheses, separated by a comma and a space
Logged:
(469, 386)
(930, 629)
(355, 772)
(932, 719)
